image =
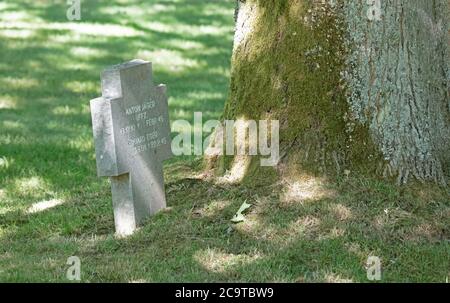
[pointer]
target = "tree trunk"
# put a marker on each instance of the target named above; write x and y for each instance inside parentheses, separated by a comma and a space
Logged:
(357, 85)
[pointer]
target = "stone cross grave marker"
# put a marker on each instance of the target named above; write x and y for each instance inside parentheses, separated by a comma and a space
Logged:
(132, 138)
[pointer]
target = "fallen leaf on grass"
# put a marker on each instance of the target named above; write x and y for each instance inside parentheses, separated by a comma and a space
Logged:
(239, 217)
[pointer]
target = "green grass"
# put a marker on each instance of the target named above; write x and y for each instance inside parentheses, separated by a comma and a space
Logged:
(49, 70)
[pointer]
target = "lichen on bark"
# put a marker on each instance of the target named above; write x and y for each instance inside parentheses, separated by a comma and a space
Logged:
(398, 83)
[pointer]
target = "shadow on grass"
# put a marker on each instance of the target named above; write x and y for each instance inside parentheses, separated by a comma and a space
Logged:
(327, 239)
(49, 76)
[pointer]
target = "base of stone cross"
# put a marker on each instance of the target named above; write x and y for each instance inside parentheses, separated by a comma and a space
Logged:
(124, 213)
(131, 205)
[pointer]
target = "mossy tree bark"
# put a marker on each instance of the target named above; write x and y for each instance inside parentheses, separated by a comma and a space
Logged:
(355, 84)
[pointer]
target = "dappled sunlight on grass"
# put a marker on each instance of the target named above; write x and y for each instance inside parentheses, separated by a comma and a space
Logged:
(6, 162)
(26, 185)
(44, 205)
(87, 52)
(306, 226)
(7, 124)
(81, 87)
(212, 209)
(82, 144)
(333, 233)
(19, 83)
(202, 95)
(305, 189)
(254, 225)
(13, 16)
(58, 38)
(84, 28)
(218, 262)
(7, 102)
(341, 212)
(186, 45)
(67, 110)
(187, 29)
(137, 11)
(17, 33)
(390, 216)
(169, 60)
(5, 209)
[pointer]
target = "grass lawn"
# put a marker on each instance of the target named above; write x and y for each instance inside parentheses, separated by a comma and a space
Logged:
(53, 206)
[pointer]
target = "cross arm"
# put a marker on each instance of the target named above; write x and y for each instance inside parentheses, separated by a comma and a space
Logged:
(108, 164)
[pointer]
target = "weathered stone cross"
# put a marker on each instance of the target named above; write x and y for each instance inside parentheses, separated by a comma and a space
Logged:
(132, 138)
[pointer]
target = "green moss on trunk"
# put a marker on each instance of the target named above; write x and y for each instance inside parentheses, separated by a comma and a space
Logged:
(299, 61)
(288, 67)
